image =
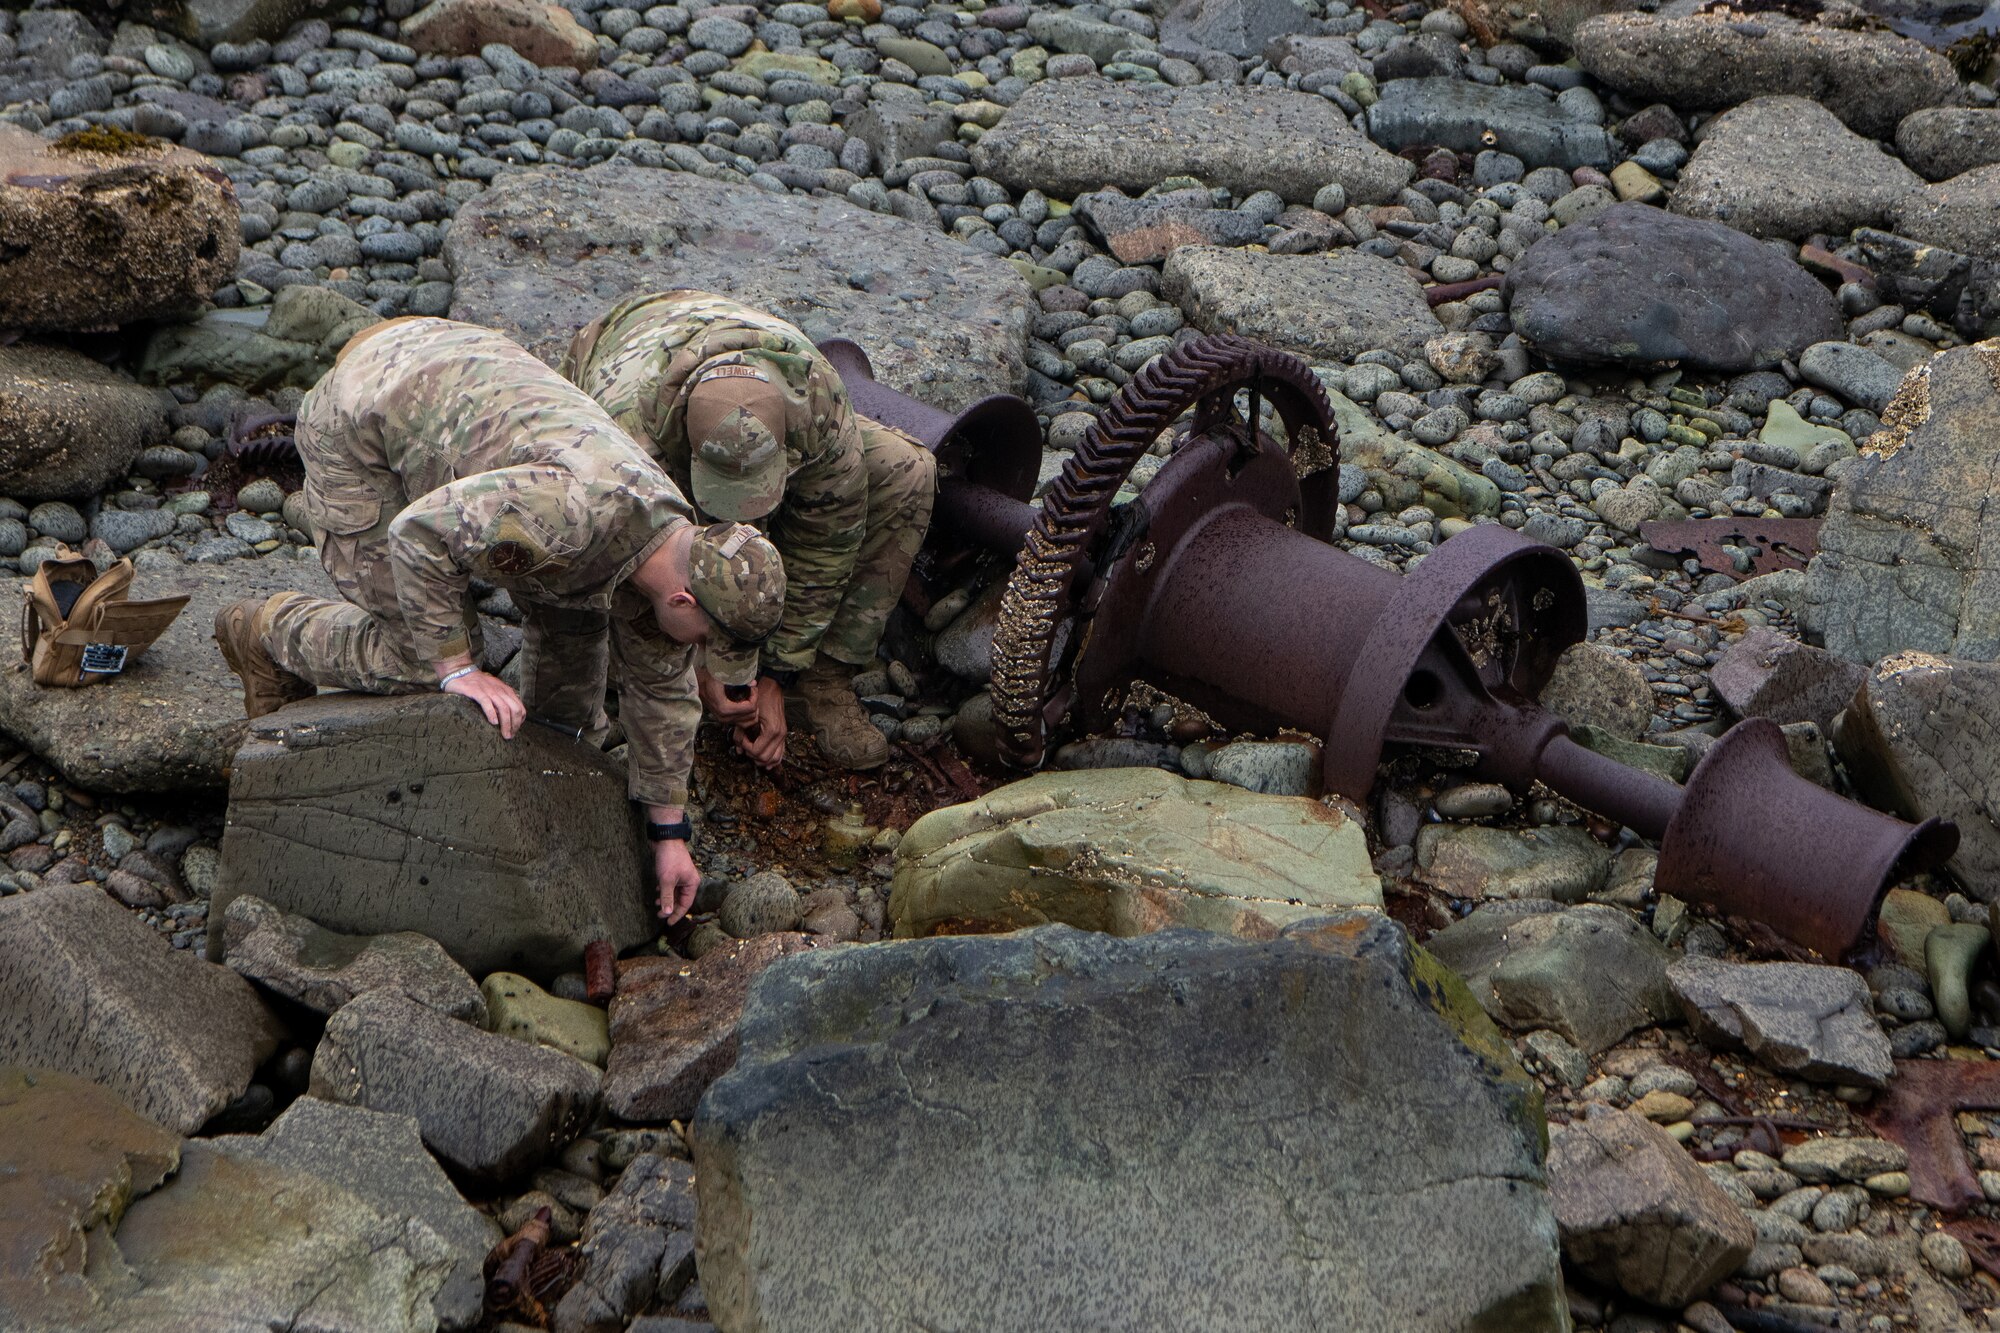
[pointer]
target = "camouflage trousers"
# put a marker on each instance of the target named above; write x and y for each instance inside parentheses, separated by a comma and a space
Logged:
(360, 643)
(902, 482)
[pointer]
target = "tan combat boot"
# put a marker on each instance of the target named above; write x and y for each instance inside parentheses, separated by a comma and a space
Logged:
(266, 685)
(836, 717)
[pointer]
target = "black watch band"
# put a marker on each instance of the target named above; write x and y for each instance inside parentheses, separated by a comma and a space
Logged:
(678, 831)
(786, 679)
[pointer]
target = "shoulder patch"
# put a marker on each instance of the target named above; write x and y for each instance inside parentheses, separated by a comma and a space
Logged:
(510, 558)
(743, 533)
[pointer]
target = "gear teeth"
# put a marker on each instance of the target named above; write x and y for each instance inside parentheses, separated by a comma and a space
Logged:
(1199, 372)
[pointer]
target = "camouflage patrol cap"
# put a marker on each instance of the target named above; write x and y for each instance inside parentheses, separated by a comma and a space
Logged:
(736, 450)
(738, 579)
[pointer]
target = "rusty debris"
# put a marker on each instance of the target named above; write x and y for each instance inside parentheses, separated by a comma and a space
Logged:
(508, 1264)
(263, 438)
(1780, 543)
(600, 972)
(1438, 293)
(1219, 586)
(1920, 1110)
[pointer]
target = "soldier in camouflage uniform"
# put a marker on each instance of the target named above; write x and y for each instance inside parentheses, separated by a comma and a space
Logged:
(438, 452)
(754, 425)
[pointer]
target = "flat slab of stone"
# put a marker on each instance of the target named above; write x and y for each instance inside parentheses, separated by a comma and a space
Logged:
(1071, 1107)
(380, 1159)
(1919, 740)
(1712, 297)
(1765, 674)
(1592, 973)
(69, 425)
(1552, 863)
(87, 989)
(1806, 1019)
(1786, 166)
(372, 814)
(72, 1157)
(1909, 554)
(1637, 1212)
(1330, 307)
(1961, 214)
(1128, 850)
(489, 1105)
(1146, 231)
(1069, 136)
(1946, 141)
(673, 1024)
(1871, 80)
(1470, 117)
(544, 33)
(323, 969)
(172, 720)
(542, 253)
(1242, 28)
(90, 239)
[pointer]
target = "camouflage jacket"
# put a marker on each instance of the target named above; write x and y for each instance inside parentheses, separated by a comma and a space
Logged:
(504, 472)
(640, 360)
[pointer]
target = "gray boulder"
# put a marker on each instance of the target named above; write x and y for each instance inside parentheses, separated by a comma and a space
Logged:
(86, 989)
(1946, 141)
(1714, 297)
(323, 969)
(1315, 55)
(1330, 307)
(1074, 34)
(1805, 1019)
(1961, 214)
(291, 342)
(1698, 59)
(1786, 166)
(1856, 373)
(900, 129)
(1636, 1212)
(380, 1159)
(1592, 972)
(172, 720)
(1072, 1107)
(91, 238)
(489, 1105)
(1918, 740)
(1962, 290)
(1469, 117)
(410, 813)
(1474, 861)
(1765, 674)
(638, 1248)
(1241, 28)
(69, 426)
(1146, 231)
(1903, 561)
(543, 33)
(540, 254)
(1069, 136)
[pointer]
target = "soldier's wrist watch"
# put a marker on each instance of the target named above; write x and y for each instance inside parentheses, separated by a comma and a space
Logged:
(678, 831)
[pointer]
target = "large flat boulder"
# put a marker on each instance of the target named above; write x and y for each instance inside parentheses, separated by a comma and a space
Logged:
(1700, 59)
(380, 1159)
(86, 989)
(1330, 307)
(171, 721)
(491, 1106)
(323, 969)
(1176, 1132)
(542, 253)
(544, 33)
(1714, 298)
(72, 1158)
(1128, 850)
(1786, 166)
(98, 230)
(370, 815)
(70, 426)
(1919, 739)
(1806, 1019)
(1470, 117)
(1904, 560)
(1068, 136)
(673, 1024)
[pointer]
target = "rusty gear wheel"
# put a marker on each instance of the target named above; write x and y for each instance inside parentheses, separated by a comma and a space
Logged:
(1052, 576)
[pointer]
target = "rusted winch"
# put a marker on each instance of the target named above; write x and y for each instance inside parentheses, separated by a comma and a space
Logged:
(1217, 586)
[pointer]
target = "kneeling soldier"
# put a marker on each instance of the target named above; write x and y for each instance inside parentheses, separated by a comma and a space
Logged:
(438, 452)
(754, 425)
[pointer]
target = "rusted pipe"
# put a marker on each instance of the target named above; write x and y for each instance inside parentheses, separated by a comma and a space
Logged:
(600, 972)
(1438, 293)
(508, 1262)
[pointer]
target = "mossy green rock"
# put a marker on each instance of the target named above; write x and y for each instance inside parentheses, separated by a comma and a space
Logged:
(1407, 473)
(1127, 851)
(517, 1007)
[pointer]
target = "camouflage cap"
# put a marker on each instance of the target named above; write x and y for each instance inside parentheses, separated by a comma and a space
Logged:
(736, 452)
(738, 579)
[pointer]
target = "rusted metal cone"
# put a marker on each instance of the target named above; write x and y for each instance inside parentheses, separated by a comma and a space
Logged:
(1754, 839)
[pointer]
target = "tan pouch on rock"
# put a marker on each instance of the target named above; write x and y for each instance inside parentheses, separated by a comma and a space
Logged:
(79, 626)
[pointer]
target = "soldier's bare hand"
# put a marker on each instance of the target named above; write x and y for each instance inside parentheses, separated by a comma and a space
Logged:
(674, 868)
(496, 699)
(735, 712)
(763, 741)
